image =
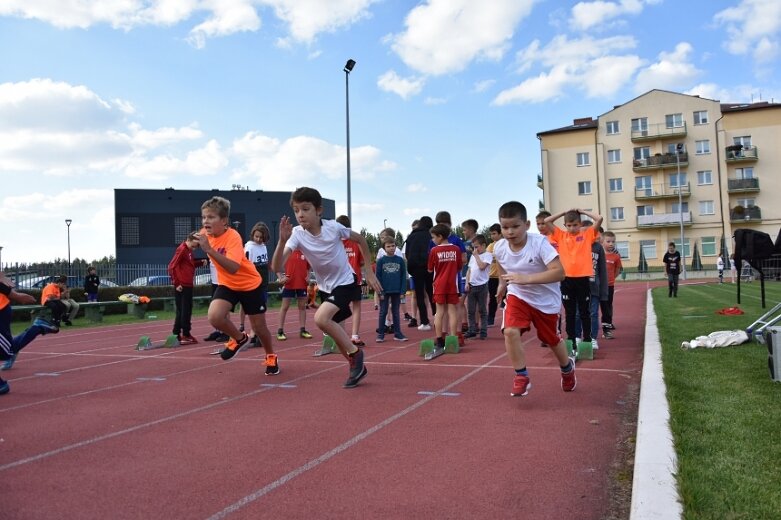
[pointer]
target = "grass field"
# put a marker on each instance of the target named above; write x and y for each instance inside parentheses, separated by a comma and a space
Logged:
(725, 410)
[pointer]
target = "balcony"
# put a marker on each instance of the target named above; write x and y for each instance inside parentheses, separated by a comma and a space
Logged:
(660, 162)
(539, 181)
(742, 185)
(658, 131)
(662, 191)
(541, 204)
(737, 153)
(664, 220)
(749, 214)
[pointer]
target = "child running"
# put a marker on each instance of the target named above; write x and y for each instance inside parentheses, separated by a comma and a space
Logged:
(239, 282)
(320, 240)
(530, 273)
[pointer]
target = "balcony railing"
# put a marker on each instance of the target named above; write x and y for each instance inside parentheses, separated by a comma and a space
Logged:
(739, 153)
(664, 220)
(658, 131)
(742, 185)
(660, 161)
(741, 214)
(662, 191)
(539, 181)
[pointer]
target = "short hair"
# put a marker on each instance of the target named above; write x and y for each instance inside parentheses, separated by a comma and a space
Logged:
(443, 217)
(91, 268)
(479, 239)
(305, 194)
(344, 220)
(609, 234)
(470, 223)
(572, 216)
(261, 226)
(415, 223)
(425, 222)
(388, 231)
(61, 279)
(513, 209)
(219, 204)
(586, 223)
(671, 244)
(496, 228)
(543, 214)
(388, 240)
(441, 230)
(192, 236)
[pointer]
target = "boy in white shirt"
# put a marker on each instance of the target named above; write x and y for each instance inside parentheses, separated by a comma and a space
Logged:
(477, 287)
(530, 273)
(321, 242)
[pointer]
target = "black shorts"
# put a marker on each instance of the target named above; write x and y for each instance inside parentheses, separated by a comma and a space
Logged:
(342, 296)
(253, 302)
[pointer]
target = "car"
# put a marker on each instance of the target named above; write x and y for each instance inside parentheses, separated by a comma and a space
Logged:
(39, 282)
(146, 281)
(203, 279)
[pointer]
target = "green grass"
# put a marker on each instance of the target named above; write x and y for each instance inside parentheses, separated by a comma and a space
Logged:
(725, 410)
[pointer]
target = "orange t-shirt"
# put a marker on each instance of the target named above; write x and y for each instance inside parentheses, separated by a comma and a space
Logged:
(4, 301)
(575, 251)
(51, 289)
(230, 245)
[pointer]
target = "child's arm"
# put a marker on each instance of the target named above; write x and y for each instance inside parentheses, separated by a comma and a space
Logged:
(479, 261)
(553, 273)
(596, 217)
(371, 278)
(282, 252)
(554, 218)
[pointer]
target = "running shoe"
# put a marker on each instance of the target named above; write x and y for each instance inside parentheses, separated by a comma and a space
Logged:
(232, 347)
(4, 388)
(357, 369)
(9, 362)
(187, 340)
(47, 326)
(400, 338)
(305, 334)
(521, 385)
(568, 379)
(412, 323)
(281, 335)
(213, 336)
(222, 338)
(424, 326)
(271, 364)
(380, 339)
(358, 342)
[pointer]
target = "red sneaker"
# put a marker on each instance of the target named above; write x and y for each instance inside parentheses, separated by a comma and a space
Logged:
(521, 386)
(187, 340)
(568, 380)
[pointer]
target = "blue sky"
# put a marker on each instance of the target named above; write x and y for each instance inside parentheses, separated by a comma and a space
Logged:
(445, 100)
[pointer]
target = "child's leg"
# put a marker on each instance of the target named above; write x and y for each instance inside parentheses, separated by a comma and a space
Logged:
(178, 312)
(301, 312)
(283, 312)
(324, 319)
(218, 313)
(570, 307)
(514, 348)
(584, 308)
(383, 316)
(258, 323)
(455, 317)
(187, 310)
(439, 318)
(482, 309)
(241, 319)
(395, 302)
(471, 307)
(594, 317)
(356, 308)
(493, 304)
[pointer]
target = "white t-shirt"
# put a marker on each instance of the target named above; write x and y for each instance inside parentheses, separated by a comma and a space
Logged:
(325, 253)
(257, 253)
(479, 276)
(213, 271)
(720, 264)
(533, 258)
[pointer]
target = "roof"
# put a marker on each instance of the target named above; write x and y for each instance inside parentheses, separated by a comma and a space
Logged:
(578, 124)
(739, 107)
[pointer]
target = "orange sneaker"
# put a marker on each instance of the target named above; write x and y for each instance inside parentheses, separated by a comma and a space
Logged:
(271, 364)
(232, 347)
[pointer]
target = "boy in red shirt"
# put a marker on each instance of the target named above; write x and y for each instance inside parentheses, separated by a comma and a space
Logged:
(295, 280)
(614, 268)
(181, 269)
(444, 260)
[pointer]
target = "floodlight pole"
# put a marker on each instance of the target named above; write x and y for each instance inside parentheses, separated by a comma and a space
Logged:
(68, 223)
(348, 67)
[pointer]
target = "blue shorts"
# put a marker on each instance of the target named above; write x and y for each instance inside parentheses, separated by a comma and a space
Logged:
(294, 293)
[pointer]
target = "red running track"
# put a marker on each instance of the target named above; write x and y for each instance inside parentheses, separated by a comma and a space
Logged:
(94, 429)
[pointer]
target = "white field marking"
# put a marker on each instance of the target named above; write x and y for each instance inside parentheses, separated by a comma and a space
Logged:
(445, 394)
(47, 374)
(282, 385)
(260, 493)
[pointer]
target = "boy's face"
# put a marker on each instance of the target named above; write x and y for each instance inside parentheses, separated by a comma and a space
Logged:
(610, 243)
(213, 223)
(307, 215)
(437, 239)
(542, 227)
(390, 248)
(495, 236)
(479, 247)
(514, 230)
(572, 226)
(469, 233)
(671, 249)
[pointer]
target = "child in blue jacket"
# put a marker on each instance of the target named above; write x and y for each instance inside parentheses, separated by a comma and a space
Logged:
(391, 272)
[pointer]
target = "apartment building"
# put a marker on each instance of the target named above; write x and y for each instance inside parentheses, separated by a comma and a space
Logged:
(665, 161)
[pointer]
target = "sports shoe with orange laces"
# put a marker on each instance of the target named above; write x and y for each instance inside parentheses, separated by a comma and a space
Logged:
(271, 364)
(568, 379)
(232, 347)
(187, 340)
(521, 385)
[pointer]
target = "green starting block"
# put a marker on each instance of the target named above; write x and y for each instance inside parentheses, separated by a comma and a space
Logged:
(569, 347)
(585, 350)
(426, 346)
(452, 345)
(146, 343)
(329, 347)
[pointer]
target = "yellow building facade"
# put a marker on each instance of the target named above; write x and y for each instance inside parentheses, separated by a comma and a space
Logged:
(664, 162)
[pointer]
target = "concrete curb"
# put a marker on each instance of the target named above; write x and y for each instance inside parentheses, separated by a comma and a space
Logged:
(654, 489)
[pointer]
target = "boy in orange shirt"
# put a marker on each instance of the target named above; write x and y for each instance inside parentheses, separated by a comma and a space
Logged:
(239, 282)
(575, 254)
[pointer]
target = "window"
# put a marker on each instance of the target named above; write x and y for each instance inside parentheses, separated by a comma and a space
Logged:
(616, 213)
(640, 124)
(183, 226)
(673, 148)
(700, 117)
(708, 246)
(614, 156)
(584, 188)
(673, 120)
(129, 234)
(745, 140)
(583, 159)
(623, 249)
(649, 248)
(676, 181)
(612, 128)
(642, 152)
(706, 207)
(703, 147)
(746, 203)
(684, 208)
(643, 211)
(704, 177)
(643, 185)
(685, 251)
(616, 184)
(744, 173)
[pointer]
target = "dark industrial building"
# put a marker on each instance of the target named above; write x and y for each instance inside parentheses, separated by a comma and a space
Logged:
(150, 224)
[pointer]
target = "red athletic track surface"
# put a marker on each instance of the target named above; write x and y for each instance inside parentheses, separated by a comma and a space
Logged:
(94, 429)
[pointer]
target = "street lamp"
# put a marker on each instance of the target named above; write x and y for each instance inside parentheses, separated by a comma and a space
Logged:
(1, 258)
(68, 223)
(384, 223)
(348, 67)
(678, 149)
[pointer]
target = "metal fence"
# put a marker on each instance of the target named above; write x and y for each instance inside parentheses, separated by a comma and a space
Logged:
(120, 275)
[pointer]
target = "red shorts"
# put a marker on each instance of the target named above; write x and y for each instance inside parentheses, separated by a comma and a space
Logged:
(521, 315)
(451, 299)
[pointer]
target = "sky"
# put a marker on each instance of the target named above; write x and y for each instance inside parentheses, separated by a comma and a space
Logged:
(445, 100)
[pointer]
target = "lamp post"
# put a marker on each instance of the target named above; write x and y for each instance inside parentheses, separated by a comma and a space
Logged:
(348, 67)
(678, 149)
(68, 223)
(1, 258)
(384, 223)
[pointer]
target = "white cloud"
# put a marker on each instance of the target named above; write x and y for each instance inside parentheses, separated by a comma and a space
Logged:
(434, 101)
(586, 15)
(753, 26)
(737, 94)
(445, 36)
(482, 86)
(417, 187)
(227, 17)
(308, 18)
(417, 212)
(150, 139)
(403, 87)
(205, 161)
(672, 71)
